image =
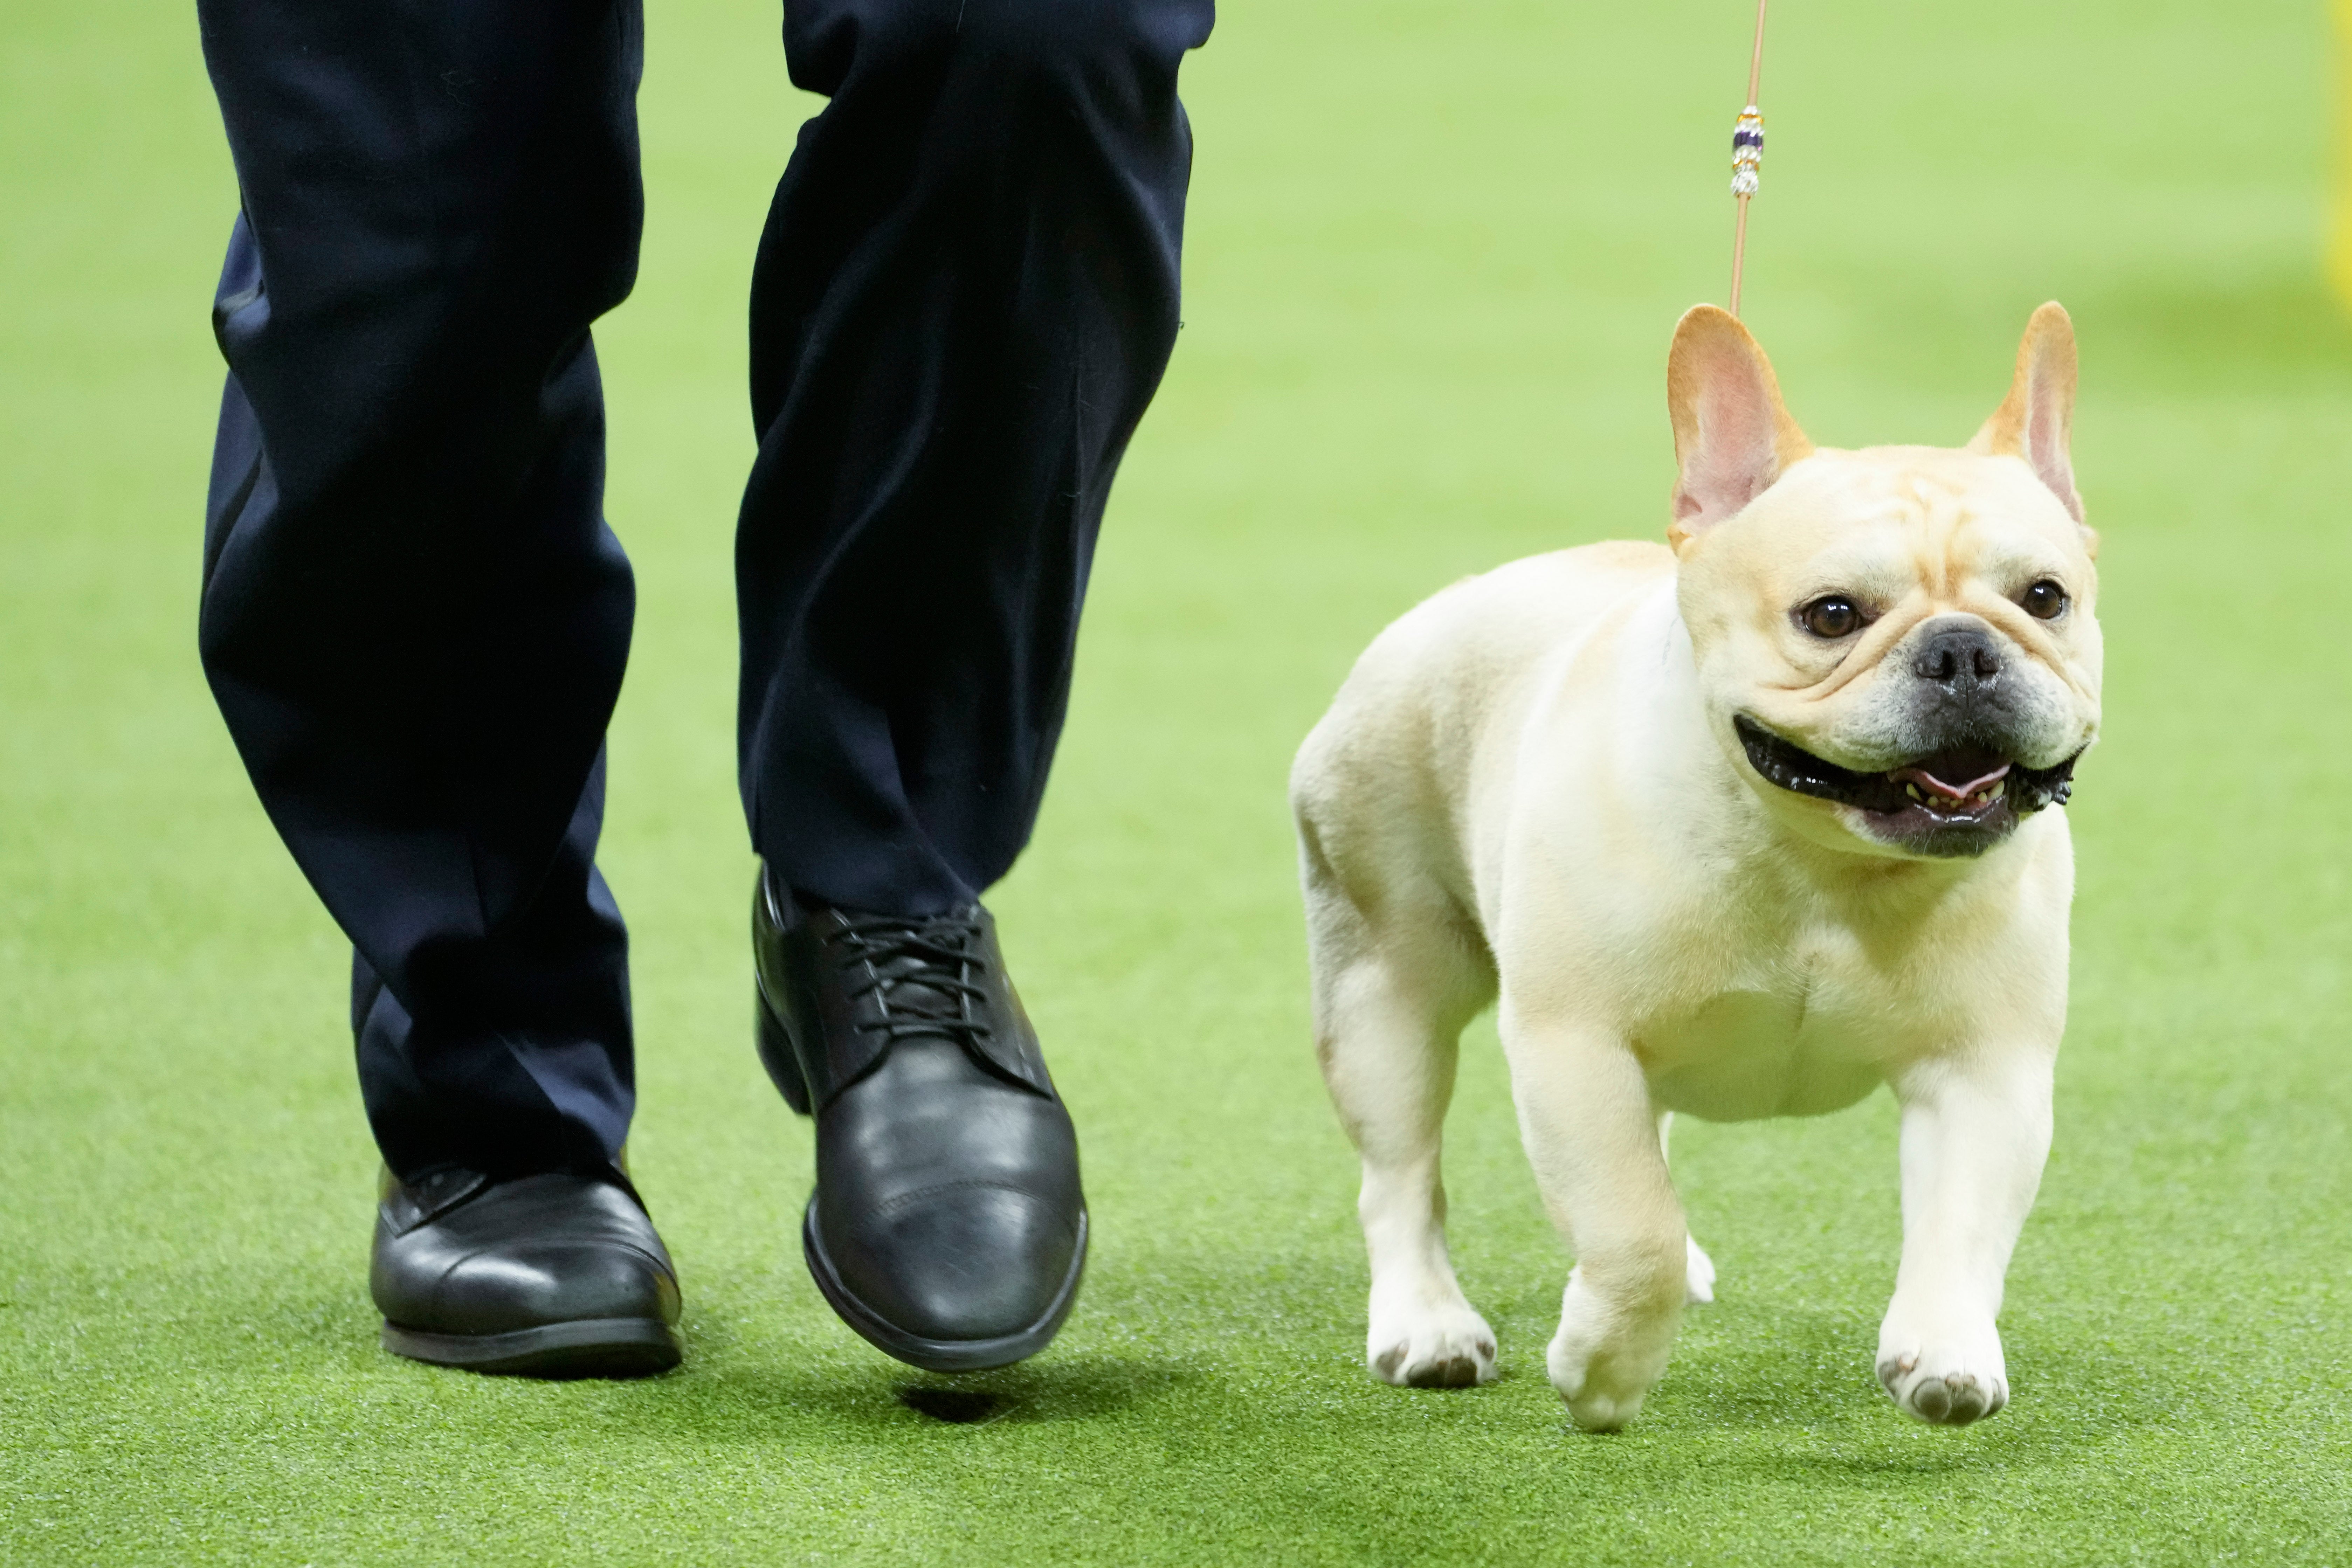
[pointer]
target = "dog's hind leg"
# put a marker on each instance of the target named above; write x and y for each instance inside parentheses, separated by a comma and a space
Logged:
(1698, 1279)
(1390, 1005)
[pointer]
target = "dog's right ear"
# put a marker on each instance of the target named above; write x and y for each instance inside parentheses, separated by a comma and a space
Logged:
(1732, 437)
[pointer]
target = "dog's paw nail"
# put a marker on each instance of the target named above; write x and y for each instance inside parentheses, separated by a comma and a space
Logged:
(1453, 1372)
(1450, 1347)
(1954, 1397)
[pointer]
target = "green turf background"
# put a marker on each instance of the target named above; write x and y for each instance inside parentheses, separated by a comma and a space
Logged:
(1434, 256)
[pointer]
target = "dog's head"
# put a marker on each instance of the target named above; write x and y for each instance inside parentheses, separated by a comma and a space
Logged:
(1896, 644)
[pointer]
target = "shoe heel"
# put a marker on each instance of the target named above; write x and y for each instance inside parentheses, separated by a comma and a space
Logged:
(776, 1055)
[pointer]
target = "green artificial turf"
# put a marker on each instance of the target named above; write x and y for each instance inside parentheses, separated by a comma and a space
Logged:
(1434, 256)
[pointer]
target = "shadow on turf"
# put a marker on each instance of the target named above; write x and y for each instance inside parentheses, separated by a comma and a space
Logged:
(1766, 1366)
(757, 1398)
(1763, 1368)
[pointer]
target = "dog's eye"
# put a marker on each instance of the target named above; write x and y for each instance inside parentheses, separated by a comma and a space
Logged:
(2045, 601)
(1830, 617)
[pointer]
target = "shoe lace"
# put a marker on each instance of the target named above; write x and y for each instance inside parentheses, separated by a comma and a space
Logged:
(924, 974)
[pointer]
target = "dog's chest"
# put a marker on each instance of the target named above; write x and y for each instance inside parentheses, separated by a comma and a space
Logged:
(1798, 1032)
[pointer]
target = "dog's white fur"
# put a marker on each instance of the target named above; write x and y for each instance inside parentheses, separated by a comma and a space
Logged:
(1529, 792)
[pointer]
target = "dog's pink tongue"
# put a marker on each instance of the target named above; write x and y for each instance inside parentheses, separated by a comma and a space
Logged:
(1954, 792)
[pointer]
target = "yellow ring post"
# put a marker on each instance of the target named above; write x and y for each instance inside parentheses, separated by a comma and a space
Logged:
(2340, 241)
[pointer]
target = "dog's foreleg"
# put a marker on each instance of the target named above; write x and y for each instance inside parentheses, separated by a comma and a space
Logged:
(1586, 1116)
(1698, 1269)
(1387, 1021)
(1975, 1134)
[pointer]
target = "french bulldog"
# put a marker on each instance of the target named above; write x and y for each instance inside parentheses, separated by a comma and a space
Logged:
(1741, 825)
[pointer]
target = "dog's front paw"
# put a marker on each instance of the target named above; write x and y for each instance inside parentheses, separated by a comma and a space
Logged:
(1445, 1346)
(1603, 1385)
(1603, 1360)
(1944, 1382)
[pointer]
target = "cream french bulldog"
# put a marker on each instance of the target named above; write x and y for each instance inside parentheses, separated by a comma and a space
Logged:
(1744, 825)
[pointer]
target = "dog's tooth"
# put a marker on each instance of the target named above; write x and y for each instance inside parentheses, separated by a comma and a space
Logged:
(1999, 787)
(1913, 790)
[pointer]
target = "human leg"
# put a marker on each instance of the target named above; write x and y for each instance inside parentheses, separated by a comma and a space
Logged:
(413, 617)
(964, 299)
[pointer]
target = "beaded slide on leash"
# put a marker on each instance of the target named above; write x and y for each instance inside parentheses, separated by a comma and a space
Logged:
(1747, 156)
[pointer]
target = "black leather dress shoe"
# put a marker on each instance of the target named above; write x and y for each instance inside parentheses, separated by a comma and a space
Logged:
(947, 1226)
(547, 1276)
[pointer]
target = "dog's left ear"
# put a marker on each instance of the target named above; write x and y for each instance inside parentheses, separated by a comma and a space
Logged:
(2036, 421)
(1732, 437)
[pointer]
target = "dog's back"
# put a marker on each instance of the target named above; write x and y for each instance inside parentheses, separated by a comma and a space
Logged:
(1419, 715)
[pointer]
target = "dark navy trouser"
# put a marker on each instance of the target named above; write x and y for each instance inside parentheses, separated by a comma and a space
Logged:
(414, 619)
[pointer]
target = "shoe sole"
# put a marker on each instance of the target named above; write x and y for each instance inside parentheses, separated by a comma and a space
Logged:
(591, 1347)
(939, 1355)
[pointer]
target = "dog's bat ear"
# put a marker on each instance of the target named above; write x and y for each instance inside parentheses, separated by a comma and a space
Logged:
(2036, 421)
(1732, 437)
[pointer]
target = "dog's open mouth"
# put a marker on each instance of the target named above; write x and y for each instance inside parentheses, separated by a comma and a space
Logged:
(1956, 802)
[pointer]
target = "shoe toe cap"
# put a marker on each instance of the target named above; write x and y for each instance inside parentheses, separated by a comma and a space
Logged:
(525, 1286)
(970, 1260)
(525, 1254)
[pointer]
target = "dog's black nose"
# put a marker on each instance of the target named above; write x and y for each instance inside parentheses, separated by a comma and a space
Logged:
(1957, 656)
